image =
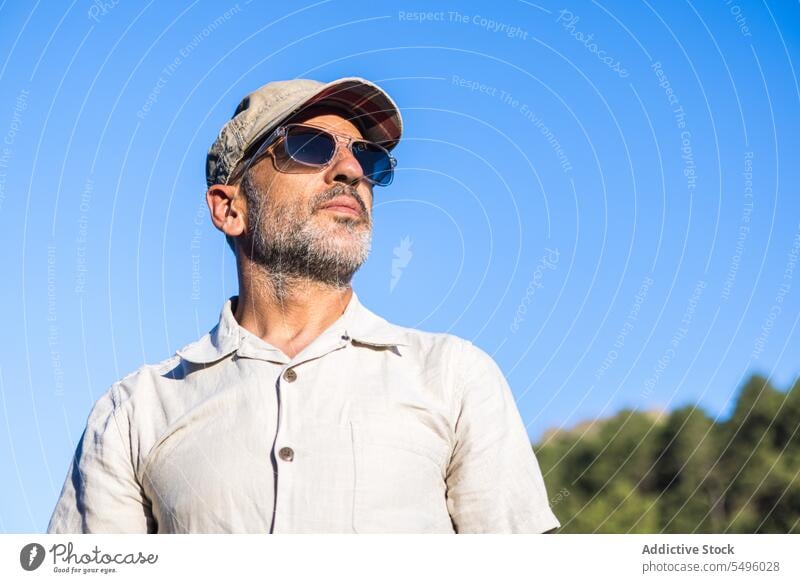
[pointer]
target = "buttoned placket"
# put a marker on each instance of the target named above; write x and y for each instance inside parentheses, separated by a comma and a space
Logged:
(289, 386)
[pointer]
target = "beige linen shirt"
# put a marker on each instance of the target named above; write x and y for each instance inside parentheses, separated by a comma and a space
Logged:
(373, 427)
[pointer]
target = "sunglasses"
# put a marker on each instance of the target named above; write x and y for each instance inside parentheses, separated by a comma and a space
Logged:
(310, 148)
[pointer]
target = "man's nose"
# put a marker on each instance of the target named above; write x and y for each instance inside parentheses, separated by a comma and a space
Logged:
(345, 167)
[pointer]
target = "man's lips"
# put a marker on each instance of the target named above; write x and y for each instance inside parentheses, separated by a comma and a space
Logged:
(343, 204)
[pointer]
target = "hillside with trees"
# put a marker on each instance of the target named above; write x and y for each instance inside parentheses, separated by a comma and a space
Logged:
(681, 472)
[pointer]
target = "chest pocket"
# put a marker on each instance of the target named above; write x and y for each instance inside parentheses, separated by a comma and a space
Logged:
(399, 478)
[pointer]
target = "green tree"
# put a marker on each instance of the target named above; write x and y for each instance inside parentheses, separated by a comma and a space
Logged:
(683, 472)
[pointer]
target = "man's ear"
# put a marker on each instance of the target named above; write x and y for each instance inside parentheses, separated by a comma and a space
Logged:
(227, 210)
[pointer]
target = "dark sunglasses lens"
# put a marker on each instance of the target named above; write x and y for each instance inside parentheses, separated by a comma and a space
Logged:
(310, 147)
(375, 162)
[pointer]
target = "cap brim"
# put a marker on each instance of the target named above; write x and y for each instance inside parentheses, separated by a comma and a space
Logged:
(372, 108)
(362, 102)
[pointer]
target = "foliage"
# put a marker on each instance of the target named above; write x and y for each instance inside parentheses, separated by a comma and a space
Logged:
(681, 472)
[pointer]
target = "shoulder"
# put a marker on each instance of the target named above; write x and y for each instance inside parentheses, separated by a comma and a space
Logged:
(444, 346)
(440, 346)
(470, 371)
(136, 408)
(138, 383)
(459, 355)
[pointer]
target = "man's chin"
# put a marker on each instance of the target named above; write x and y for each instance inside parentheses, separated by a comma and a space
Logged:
(345, 244)
(341, 218)
(343, 228)
(345, 247)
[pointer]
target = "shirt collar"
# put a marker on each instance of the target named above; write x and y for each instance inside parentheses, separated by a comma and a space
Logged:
(357, 324)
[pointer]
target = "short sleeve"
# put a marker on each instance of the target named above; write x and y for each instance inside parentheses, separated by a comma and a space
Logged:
(494, 484)
(101, 493)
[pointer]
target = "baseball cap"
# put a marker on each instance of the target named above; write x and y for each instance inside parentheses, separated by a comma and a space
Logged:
(263, 110)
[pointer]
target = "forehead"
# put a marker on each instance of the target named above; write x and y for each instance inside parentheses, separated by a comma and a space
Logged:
(330, 118)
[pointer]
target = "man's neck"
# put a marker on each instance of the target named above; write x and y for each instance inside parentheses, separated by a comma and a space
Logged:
(287, 312)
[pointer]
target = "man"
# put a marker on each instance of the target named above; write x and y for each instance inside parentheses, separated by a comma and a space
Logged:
(302, 411)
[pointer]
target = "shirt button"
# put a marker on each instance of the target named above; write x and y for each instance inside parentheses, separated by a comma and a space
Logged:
(286, 454)
(290, 376)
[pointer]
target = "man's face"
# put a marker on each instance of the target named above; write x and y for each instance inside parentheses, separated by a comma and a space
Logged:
(288, 230)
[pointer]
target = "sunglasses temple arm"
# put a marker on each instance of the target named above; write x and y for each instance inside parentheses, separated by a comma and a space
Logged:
(251, 159)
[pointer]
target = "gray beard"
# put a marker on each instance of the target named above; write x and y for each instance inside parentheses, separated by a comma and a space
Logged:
(289, 245)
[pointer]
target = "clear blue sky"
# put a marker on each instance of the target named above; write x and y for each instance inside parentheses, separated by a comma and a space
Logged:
(601, 195)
